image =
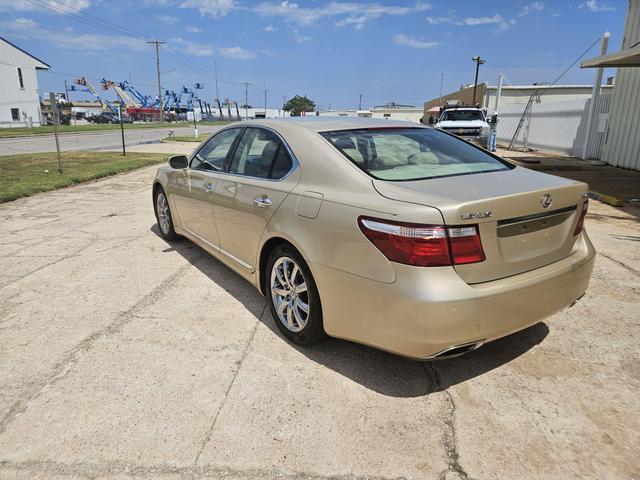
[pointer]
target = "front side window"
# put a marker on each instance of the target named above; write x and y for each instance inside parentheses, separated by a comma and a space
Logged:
(400, 154)
(260, 154)
(212, 155)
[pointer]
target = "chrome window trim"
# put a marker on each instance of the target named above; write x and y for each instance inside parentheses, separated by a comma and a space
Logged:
(294, 160)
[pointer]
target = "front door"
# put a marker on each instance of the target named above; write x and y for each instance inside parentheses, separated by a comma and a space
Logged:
(194, 188)
(259, 176)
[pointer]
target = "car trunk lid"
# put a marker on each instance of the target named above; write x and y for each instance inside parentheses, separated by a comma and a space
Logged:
(518, 229)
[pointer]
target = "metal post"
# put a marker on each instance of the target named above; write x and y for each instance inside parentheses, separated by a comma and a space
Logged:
(55, 120)
(498, 92)
(195, 125)
(595, 93)
(265, 99)
(441, 83)
(360, 102)
(124, 152)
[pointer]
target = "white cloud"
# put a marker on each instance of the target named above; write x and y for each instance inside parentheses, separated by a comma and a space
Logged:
(166, 19)
(236, 53)
(532, 7)
(88, 43)
(269, 28)
(497, 19)
(345, 13)
(191, 29)
(300, 38)
(439, 20)
(193, 48)
(594, 6)
(210, 8)
(412, 42)
(52, 6)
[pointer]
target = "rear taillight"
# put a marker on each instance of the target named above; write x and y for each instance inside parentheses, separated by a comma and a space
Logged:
(423, 245)
(583, 213)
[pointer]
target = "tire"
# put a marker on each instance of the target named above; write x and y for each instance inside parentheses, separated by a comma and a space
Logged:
(287, 299)
(163, 215)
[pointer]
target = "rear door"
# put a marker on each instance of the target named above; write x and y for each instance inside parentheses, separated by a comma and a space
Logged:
(259, 176)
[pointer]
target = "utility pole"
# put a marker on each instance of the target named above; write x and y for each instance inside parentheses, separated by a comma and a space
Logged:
(215, 69)
(246, 100)
(441, 83)
(156, 44)
(55, 120)
(478, 61)
(284, 103)
(360, 103)
(265, 99)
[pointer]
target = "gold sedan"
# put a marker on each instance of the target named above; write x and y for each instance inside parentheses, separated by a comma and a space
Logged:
(385, 233)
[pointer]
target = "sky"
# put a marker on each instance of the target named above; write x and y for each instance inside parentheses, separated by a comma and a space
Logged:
(333, 52)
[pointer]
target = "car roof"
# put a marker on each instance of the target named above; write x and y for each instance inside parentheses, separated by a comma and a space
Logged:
(327, 124)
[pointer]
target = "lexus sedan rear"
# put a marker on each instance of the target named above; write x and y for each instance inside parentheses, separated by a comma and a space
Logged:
(385, 233)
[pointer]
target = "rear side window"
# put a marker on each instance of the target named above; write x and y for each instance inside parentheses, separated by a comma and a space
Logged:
(261, 154)
(412, 153)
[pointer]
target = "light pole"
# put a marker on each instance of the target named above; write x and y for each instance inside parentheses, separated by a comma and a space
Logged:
(478, 61)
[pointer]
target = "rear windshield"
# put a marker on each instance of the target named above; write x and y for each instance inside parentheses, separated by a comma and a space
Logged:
(412, 153)
(461, 115)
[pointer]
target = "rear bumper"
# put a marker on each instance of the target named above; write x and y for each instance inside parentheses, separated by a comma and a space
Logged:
(429, 310)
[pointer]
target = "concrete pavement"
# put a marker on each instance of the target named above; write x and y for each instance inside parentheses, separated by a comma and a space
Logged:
(122, 356)
(99, 140)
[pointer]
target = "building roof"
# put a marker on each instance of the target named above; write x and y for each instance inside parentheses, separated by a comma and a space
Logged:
(624, 58)
(543, 87)
(42, 66)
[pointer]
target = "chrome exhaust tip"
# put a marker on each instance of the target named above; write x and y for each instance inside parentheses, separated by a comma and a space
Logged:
(457, 350)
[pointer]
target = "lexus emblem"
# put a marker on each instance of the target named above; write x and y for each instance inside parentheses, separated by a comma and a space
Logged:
(546, 200)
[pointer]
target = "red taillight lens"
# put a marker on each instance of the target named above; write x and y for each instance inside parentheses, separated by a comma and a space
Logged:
(423, 245)
(466, 246)
(583, 213)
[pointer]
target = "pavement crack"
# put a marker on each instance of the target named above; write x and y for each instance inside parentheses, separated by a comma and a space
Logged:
(62, 368)
(622, 264)
(245, 352)
(449, 433)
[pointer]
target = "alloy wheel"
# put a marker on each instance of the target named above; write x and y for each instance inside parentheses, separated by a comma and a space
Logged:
(162, 210)
(289, 294)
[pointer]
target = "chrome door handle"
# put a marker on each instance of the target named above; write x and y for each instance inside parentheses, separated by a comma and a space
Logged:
(209, 188)
(262, 201)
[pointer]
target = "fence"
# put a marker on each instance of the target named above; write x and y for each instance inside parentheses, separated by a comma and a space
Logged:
(556, 127)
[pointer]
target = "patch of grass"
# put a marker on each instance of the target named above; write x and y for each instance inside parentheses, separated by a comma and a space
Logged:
(186, 138)
(25, 132)
(27, 174)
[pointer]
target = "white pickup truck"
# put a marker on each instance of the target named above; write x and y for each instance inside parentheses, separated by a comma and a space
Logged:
(469, 123)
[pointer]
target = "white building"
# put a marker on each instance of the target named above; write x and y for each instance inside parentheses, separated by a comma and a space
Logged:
(621, 136)
(392, 111)
(512, 94)
(19, 102)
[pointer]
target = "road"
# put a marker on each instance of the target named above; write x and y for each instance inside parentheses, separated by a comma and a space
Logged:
(101, 140)
(123, 356)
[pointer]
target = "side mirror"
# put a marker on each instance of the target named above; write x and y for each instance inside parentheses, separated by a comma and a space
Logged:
(178, 162)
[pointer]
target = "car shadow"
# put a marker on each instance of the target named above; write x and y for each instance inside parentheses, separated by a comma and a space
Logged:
(382, 372)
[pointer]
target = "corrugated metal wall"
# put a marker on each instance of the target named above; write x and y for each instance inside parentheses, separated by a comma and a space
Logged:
(622, 143)
(557, 127)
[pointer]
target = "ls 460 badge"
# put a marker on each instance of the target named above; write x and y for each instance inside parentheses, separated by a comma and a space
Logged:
(476, 215)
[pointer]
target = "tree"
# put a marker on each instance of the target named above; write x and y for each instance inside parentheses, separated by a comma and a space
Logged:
(299, 104)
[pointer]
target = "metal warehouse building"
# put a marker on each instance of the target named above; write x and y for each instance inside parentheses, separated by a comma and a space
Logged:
(622, 136)
(19, 102)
